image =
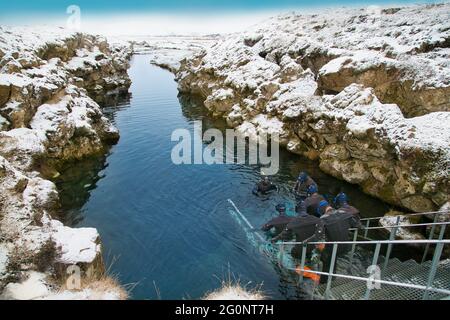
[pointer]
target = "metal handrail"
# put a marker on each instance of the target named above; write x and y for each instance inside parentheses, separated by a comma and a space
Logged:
(430, 277)
(404, 226)
(408, 215)
(399, 284)
(432, 272)
(446, 241)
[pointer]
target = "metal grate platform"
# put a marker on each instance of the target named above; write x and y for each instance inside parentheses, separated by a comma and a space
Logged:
(406, 272)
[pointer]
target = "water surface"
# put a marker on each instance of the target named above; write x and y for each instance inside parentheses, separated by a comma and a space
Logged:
(166, 226)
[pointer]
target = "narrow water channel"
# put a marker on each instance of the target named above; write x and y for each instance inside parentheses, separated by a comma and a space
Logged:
(166, 226)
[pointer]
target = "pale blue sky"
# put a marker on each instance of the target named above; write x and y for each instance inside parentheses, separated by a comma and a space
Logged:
(108, 6)
(168, 16)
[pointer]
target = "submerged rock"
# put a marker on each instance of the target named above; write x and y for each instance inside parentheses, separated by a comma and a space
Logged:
(365, 94)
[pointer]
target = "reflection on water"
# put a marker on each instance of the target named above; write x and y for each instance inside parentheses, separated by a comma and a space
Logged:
(169, 225)
(77, 181)
(75, 186)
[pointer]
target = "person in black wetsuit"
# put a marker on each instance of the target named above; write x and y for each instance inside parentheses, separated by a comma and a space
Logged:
(303, 228)
(341, 203)
(312, 201)
(264, 187)
(278, 224)
(302, 184)
(336, 224)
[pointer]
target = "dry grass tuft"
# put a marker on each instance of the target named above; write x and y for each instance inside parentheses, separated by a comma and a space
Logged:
(98, 288)
(101, 285)
(235, 292)
(232, 289)
(107, 284)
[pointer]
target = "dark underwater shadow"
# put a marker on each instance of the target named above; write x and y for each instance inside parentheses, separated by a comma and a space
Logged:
(78, 179)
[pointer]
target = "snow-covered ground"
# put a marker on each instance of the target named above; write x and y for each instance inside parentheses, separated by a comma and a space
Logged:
(166, 51)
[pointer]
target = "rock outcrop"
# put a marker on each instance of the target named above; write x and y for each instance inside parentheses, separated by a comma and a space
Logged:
(389, 221)
(365, 92)
(51, 82)
(38, 287)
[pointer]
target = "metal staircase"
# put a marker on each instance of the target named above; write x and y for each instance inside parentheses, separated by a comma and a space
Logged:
(388, 278)
(408, 272)
(348, 276)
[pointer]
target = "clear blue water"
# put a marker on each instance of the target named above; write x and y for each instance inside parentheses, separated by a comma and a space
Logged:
(168, 226)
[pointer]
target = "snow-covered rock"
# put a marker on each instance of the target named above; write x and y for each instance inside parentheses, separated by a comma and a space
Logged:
(37, 286)
(3, 263)
(27, 224)
(87, 294)
(389, 221)
(366, 92)
(33, 287)
(80, 245)
(51, 81)
(47, 60)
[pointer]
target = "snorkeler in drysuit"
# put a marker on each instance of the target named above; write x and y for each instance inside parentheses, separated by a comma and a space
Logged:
(302, 228)
(264, 187)
(336, 224)
(312, 201)
(302, 184)
(341, 203)
(279, 223)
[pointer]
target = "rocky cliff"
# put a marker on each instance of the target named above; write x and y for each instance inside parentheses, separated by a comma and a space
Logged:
(366, 92)
(51, 81)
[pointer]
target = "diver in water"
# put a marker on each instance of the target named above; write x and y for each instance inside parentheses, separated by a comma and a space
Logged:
(312, 201)
(336, 224)
(303, 228)
(341, 203)
(264, 187)
(302, 184)
(278, 224)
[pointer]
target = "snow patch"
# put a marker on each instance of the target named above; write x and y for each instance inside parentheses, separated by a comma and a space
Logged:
(76, 245)
(24, 139)
(34, 287)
